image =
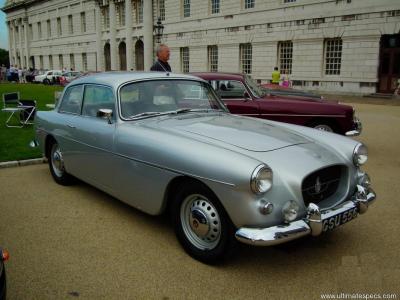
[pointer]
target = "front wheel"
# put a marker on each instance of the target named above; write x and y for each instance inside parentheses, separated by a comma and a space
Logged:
(201, 224)
(56, 165)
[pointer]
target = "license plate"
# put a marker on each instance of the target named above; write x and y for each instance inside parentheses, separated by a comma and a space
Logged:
(339, 219)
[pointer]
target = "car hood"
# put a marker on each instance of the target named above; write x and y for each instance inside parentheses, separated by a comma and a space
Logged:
(243, 132)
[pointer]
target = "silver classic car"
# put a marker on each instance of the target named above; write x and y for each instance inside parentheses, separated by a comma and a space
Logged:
(165, 143)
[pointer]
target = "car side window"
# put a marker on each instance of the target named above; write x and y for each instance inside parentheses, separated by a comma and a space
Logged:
(72, 100)
(97, 97)
(229, 89)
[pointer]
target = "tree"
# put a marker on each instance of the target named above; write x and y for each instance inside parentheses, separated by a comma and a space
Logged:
(4, 58)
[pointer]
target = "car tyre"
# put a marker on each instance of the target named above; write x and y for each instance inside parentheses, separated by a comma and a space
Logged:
(46, 82)
(324, 126)
(202, 226)
(56, 165)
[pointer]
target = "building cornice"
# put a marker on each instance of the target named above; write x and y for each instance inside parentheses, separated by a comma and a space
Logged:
(12, 5)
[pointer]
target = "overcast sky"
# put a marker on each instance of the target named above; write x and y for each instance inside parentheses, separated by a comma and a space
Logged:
(3, 28)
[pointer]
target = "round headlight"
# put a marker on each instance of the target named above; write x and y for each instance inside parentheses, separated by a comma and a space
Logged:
(290, 211)
(360, 155)
(261, 179)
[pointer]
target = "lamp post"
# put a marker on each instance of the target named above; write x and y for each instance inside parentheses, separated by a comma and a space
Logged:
(158, 29)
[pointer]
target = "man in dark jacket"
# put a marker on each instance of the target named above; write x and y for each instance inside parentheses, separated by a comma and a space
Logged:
(161, 63)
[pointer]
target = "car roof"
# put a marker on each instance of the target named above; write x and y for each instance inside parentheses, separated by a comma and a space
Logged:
(219, 76)
(115, 79)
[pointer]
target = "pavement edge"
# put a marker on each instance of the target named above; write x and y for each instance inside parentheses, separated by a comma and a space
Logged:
(21, 163)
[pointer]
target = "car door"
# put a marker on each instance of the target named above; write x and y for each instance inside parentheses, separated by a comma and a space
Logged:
(232, 94)
(94, 136)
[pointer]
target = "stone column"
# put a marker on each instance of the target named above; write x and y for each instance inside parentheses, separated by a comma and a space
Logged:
(99, 46)
(148, 33)
(113, 34)
(15, 42)
(21, 49)
(26, 25)
(9, 41)
(128, 30)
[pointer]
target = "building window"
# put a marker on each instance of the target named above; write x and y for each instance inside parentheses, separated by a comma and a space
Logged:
(161, 9)
(84, 61)
(249, 4)
(48, 28)
(59, 28)
(213, 58)
(41, 62)
(83, 22)
(139, 12)
(215, 5)
(121, 13)
(186, 8)
(246, 54)
(51, 62)
(185, 59)
(30, 31)
(106, 17)
(61, 61)
(39, 25)
(333, 56)
(289, 1)
(285, 50)
(72, 62)
(70, 25)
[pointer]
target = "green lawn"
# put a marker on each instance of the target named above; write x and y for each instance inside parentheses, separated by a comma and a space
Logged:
(14, 142)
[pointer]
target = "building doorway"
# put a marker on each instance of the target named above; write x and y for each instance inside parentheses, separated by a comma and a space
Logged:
(122, 56)
(107, 57)
(32, 62)
(139, 52)
(389, 63)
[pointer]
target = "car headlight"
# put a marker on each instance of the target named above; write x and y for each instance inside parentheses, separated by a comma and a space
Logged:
(360, 155)
(261, 179)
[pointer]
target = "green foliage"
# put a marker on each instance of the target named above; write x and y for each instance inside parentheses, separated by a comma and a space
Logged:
(15, 141)
(4, 58)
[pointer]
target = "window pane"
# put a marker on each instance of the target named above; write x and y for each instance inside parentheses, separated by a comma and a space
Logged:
(95, 98)
(72, 100)
(333, 56)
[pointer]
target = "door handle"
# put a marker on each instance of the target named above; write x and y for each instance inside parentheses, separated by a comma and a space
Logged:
(70, 126)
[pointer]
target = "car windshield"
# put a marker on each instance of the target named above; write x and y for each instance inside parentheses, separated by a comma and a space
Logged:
(159, 97)
(253, 86)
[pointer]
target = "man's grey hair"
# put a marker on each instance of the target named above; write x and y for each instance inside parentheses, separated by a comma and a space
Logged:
(160, 47)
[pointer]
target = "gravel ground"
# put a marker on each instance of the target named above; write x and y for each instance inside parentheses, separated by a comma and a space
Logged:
(77, 242)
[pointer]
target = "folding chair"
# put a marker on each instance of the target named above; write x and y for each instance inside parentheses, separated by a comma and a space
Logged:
(19, 111)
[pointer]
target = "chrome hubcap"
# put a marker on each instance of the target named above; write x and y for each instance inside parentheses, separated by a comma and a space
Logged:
(57, 161)
(200, 222)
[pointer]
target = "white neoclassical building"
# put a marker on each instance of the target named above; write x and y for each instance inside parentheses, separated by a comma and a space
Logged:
(328, 45)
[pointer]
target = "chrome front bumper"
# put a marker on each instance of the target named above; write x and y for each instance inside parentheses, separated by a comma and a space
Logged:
(357, 128)
(311, 225)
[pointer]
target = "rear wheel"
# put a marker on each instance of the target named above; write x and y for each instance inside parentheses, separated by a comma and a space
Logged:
(46, 81)
(56, 165)
(201, 224)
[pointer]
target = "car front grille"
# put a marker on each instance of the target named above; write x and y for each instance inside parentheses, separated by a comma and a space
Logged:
(321, 184)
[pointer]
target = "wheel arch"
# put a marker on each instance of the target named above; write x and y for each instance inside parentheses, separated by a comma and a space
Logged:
(47, 145)
(334, 124)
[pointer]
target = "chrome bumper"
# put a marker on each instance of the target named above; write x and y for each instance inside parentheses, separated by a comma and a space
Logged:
(311, 225)
(357, 128)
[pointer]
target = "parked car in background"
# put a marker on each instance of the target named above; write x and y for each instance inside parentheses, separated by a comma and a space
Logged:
(49, 77)
(165, 143)
(243, 96)
(4, 256)
(67, 77)
(278, 90)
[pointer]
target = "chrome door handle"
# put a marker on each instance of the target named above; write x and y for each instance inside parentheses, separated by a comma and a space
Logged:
(70, 126)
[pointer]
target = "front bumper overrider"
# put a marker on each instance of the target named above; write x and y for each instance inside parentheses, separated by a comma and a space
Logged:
(357, 128)
(312, 224)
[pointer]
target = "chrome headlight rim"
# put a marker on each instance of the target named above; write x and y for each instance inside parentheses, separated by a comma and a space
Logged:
(255, 179)
(360, 154)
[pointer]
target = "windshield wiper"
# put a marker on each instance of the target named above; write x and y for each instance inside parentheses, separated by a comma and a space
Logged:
(146, 113)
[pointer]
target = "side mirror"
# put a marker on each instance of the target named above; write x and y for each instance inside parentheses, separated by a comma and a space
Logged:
(246, 96)
(106, 114)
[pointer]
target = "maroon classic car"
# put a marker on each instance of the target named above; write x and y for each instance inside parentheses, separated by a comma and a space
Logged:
(243, 96)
